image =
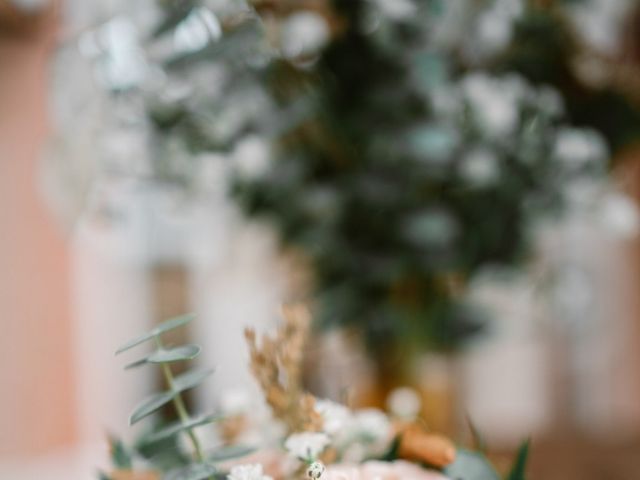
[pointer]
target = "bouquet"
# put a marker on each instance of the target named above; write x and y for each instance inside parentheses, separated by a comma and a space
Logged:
(304, 436)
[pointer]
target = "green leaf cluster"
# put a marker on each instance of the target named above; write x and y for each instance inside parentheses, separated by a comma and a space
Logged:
(159, 445)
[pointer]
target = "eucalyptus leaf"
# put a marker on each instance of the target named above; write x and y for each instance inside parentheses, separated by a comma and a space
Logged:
(198, 471)
(120, 454)
(471, 466)
(173, 323)
(190, 379)
(175, 428)
(137, 363)
(177, 354)
(135, 342)
(150, 405)
(103, 476)
(164, 327)
(234, 451)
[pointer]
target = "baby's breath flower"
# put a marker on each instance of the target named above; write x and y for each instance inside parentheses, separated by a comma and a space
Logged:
(316, 470)
(248, 472)
(335, 416)
(307, 445)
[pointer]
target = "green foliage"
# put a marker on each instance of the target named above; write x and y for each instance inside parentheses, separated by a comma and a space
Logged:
(161, 443)
(385, 170)
(151, 405)
(374, 183)
(471, 466)
(177, 354)
(474, 465)
(164, 327)
(544, 50)
(121, 457)
(394, 450)
(177, 427)
(198, 471)
(518, 470)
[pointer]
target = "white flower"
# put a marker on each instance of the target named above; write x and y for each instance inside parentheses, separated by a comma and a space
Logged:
(316, 470)
(404, 403)
(251, 157)
(397, 9)
(619, 215)
(480, 168)
(579, 147)
(307, 445)
(247, 472)
(373, 425)
(495, 102)
(367, 434)
(199, 28)
(335, 416)
(304, 33)
(599, 23)
(494, 27)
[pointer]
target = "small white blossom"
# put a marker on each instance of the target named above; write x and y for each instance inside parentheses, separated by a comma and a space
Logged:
(247, 472)
(335, 416)
(397, 9)
(495, 102)
(251, 157)
(494, 27)
(480, 168)
(304, 33)
(579, 147)
(372, 424)
(404, 403)
(199, 28)
(316, 470)
(307, 445)
(619, 215)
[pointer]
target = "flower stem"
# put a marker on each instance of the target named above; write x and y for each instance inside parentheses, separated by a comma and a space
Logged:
(180, 407)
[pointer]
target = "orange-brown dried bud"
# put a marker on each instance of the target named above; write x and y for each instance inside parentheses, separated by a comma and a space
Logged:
(417, 444)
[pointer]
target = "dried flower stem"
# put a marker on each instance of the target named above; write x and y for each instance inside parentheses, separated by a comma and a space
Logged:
(277, 366)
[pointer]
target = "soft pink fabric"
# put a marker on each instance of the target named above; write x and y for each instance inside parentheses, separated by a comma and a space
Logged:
(399, 470)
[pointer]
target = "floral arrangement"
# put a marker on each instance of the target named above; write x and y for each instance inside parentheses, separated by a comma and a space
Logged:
(316, 439)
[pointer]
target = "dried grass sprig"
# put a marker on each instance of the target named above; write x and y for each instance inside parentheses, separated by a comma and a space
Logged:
(276, 363)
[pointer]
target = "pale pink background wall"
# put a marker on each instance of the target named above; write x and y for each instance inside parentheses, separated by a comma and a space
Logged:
(35, 351)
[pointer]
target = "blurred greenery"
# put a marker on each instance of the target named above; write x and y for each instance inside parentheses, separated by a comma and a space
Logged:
(404, 147)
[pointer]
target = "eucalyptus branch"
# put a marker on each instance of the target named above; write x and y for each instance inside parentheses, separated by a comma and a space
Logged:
(179, 405)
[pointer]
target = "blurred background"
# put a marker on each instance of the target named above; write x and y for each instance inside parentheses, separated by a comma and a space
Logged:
(450, 186)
